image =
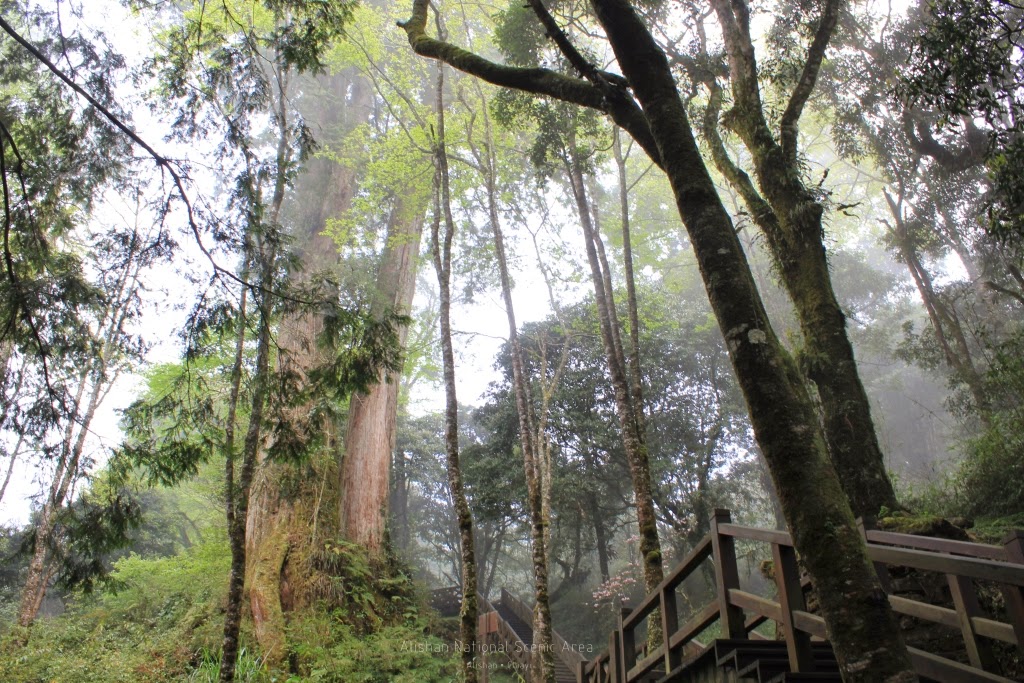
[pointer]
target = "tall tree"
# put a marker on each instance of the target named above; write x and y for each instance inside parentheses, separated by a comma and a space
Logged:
(782, 414)
(441, 249)
(786, 209)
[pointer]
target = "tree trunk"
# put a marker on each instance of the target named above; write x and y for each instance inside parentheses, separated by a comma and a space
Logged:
(791, 222)
(442, 257)
(627, 405)
(542, 669)
(865, 634)
(370, 436)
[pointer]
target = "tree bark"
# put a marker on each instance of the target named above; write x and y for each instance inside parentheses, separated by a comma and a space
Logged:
(791, 219)
(442, 257)
(370, 436)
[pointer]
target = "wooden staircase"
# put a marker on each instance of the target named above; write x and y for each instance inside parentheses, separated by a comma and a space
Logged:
(508, 625)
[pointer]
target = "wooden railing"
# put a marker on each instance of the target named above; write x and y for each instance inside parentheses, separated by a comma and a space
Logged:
(740, 612)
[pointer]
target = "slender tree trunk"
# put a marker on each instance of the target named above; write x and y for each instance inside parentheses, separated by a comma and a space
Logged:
(543, 665)
(600, 538)
(66, 474)
(264, 239)
(944, 321)
(442, 256)
(629, 411)
(250, 455)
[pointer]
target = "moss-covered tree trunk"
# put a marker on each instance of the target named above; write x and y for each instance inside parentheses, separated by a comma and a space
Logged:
(864, 631)
(791, 219)
(441, 250)
(251, 448)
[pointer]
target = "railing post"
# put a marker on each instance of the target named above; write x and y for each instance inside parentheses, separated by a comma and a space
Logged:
(1014, 595)
(613, 658)
(791, 597)
(669, 625)
(727, 576)
(627, 641)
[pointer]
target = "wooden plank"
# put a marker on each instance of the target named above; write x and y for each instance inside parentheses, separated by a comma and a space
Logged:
(942, 545)
(669, 625)
(947, 671)
(791, 598)
(1013, 544)
(756, 604)
(965, 599)
(995, 630)
(727, 576)
(922, 610)
(695, 625)
(627, 645)
(750, 533)
(809, 623)
(681, 572)
(989, 570)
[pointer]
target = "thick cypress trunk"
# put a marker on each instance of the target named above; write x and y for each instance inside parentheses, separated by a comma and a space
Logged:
(370, 436)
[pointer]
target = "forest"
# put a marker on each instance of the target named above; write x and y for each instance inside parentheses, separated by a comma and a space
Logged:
(434, 341)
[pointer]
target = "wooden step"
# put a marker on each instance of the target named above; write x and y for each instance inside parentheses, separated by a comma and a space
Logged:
(816, 677)
(764, 669)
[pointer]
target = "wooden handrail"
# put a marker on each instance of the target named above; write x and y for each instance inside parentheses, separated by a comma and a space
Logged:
(941, 545)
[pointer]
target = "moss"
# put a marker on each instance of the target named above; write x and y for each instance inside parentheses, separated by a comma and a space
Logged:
(922, 525)
(994, 529)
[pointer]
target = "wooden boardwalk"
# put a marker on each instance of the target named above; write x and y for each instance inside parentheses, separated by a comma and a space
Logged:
(801, 653)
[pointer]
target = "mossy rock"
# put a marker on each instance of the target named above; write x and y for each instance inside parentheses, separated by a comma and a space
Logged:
(922, 525)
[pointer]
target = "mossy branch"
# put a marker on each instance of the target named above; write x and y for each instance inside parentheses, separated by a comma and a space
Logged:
(809, 76)
(534, 80)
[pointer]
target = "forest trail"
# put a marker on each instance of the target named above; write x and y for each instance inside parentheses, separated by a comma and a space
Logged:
(506, 626)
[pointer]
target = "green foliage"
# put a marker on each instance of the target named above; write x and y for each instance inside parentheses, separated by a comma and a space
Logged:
(165, 613)
(364, 623)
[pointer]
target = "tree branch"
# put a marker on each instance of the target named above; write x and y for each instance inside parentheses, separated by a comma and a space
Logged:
(534, 80)
(762, 213)
(812, 66)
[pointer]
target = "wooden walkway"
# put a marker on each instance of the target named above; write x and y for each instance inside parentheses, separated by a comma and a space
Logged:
(803, 653)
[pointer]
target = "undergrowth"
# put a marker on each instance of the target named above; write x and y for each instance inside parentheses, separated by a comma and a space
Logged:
(363, 623)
